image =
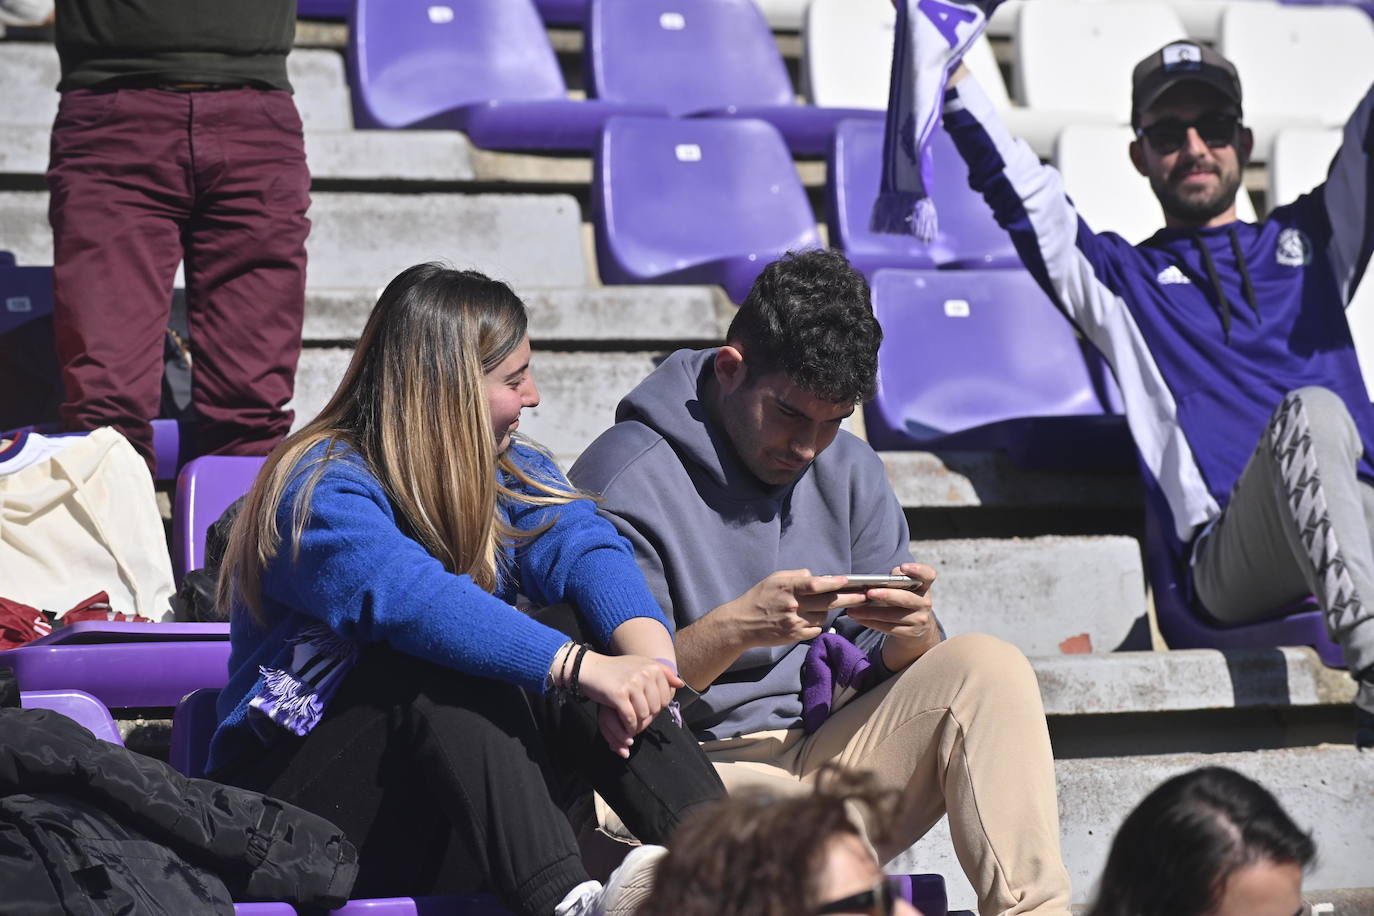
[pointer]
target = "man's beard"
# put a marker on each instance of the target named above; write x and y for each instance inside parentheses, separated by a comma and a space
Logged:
(1197, 209)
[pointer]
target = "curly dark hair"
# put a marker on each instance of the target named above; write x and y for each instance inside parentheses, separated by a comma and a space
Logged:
(809, 314)
(1175, 851)
(760, 854)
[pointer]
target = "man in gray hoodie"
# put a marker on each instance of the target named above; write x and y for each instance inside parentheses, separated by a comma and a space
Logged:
(746, 504)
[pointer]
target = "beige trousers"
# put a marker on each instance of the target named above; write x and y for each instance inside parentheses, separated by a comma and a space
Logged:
(960, 731)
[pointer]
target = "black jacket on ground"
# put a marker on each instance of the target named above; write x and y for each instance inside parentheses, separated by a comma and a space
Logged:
(90, 827)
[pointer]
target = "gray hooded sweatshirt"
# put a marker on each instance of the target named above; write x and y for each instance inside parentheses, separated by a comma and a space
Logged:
(706, 530)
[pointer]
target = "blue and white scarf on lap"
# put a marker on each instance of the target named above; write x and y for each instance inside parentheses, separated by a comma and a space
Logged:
(294, 698)
(931, 38)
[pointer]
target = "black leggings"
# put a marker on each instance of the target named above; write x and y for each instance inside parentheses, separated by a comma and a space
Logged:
(443, 781)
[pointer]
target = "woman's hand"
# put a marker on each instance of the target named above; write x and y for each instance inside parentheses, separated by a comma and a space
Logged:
(631, 690)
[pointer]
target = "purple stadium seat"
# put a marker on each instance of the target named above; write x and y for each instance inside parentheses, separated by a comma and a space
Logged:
(925, 892)
(1366, 5)
(100, 632)
(1185, 625)
(123, 675)
(205, 488)
(82, 708)
(322, 9)
(695, 201)
(166, 443)
(562, 12)
(969, 237)
(29, 373)
(702, 57)
(484, 67)
(982, 360)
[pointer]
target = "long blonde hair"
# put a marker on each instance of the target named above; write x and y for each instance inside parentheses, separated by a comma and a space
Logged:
(413, 406)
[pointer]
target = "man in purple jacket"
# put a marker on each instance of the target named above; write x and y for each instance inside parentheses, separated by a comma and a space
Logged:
(1222, 334)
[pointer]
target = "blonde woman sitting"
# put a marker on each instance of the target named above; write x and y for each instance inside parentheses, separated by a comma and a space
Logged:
(380, 675)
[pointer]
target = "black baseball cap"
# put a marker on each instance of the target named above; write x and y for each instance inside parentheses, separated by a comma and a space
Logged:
(1180, 62)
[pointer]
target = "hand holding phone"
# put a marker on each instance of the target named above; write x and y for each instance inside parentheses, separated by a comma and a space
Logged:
(860, 583)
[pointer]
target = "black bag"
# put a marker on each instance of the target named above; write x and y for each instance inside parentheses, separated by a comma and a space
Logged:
(83, 806)
(59, 854)
(194, 602)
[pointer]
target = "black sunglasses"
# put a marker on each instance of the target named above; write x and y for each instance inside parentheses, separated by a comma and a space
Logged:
(1169, 134)
(878, 900)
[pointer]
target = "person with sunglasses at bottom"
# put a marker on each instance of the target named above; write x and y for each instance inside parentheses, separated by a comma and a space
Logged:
(1208, 842)
(760, 853)
(1222, 334)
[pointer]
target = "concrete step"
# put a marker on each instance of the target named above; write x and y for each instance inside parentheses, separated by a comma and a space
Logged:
(1187, 680)
(580, 390)
(1328, 790)
(1044, 595)
(362, 240)
(559, 317)
(374, 156)
(29, 72)
(962, 480)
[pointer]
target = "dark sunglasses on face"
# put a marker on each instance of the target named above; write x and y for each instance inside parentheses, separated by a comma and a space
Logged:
(878, 900)
(1170, 134)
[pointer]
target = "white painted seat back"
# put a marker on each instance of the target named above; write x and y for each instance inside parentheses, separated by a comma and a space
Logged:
(1304, 63)
(1077, 55)
(847, 56)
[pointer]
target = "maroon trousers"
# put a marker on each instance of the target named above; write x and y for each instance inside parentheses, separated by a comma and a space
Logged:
(141, 179)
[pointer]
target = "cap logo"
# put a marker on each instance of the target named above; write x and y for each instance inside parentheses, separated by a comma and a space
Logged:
(1182, 57)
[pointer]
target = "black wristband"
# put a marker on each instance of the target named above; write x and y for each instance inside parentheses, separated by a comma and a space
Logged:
(576, 685)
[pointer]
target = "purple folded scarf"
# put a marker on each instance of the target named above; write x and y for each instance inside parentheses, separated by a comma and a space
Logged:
(832, 662)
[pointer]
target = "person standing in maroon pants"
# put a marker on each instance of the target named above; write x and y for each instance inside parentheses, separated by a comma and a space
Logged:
(177, 139)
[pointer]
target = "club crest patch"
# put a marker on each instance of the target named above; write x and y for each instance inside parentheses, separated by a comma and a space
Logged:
(1294, 250)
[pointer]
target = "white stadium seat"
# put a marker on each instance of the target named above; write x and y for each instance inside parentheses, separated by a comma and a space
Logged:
(1298, 64)
(1108, 192)
(783, 15)
(847, 53)
(1299, 160)
(847, 63)
(1078, 56)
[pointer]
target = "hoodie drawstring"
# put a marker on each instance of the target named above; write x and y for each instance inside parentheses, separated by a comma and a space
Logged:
(1223, 303)
(1245, 282)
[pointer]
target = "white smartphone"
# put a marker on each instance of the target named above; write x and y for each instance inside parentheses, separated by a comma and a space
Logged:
(859, 583)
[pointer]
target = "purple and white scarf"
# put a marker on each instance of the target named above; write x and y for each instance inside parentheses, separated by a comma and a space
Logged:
(930, 40)
(294, 698)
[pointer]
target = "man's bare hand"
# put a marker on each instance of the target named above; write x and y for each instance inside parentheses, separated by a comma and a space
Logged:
(905, 615)
(788, 607)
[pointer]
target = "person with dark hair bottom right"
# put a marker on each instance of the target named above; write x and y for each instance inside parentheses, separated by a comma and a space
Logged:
(749, 508)
(1209, 842)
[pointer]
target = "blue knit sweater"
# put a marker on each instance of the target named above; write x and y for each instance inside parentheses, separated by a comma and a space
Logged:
(362, 576)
